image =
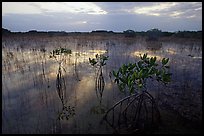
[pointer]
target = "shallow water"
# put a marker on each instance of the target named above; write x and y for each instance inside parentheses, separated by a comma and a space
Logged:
(30, 102)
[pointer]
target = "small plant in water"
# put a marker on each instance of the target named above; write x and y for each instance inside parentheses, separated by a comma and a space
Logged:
(140, 110)
(133, 76)
(98, 62)
(60, 56)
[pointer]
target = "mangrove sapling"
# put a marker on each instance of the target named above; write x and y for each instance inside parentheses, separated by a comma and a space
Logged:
(60, 56)
(132, 78)
(98, 63)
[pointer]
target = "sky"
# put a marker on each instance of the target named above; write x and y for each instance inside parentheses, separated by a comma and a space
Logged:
(110, 16)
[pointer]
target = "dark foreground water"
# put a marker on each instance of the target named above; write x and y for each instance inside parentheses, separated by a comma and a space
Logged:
(30, 102)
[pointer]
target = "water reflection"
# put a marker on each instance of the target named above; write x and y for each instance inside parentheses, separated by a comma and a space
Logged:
(171, 51)
(31, 103)
(153, 45)
(67, 111)
(141, 52)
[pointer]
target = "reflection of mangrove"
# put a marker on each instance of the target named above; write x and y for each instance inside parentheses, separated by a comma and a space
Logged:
(137, 112)
(133, 114)
(60, 56)
(99, 84)
(69, 111)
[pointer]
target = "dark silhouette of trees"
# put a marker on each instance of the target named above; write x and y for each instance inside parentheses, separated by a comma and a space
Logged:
(129, 33)
(5, 31)
(153, 34)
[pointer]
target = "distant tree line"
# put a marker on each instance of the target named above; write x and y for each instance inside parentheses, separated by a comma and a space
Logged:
(5, 31)
(152, 34)
(155, 33)
(188, 34)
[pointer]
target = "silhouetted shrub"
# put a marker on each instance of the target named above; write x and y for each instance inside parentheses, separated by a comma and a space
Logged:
(154, 34)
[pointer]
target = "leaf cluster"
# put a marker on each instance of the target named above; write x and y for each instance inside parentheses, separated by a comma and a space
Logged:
(60, 51)
(99, 60)
(133, 76)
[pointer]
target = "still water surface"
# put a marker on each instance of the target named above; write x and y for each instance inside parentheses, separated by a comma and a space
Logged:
(30, 102)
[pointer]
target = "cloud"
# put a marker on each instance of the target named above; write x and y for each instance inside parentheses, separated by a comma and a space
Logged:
(170, 9)
(114, 16)
(51, 7)
(176, 14)
(154, 10)
(19, 8)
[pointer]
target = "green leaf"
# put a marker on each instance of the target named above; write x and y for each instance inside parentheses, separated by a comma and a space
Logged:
(155, 58)
(124, 69)
(105, 58)
(92, 61)
(145, 56)
(135, 75)
(130, 81)
(152, 60)
(131, 66)
(150, 70)
(140, 85)
(140, 73)
(165, 61)
(115, 74)
(141, 57)
(122, 80)
(132, 74)
(166, 78)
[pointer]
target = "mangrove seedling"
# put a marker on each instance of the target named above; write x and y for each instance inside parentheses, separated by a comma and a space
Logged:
(60, 56)
(133, 76)
(98, 62)
(139, 109)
